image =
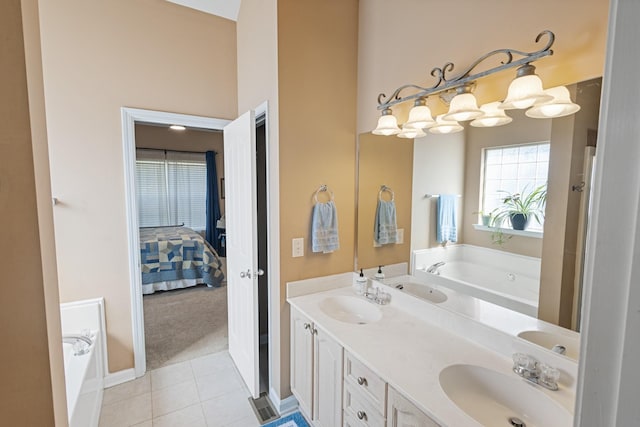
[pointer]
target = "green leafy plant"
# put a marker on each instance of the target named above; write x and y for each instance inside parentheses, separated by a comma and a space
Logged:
(530, 205)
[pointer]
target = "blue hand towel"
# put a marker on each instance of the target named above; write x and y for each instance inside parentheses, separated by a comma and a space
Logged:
(385, 229)
(324, 228)
(446, 229)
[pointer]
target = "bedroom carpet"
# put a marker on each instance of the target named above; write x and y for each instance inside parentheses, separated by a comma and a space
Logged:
(185, 323)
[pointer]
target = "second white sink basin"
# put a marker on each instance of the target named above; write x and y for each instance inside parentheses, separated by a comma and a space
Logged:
(350, 310)
(494, 399)
(549, 340)
(422, 291)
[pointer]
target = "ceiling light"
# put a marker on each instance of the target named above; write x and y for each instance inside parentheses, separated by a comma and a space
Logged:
(387, 124)
(493, 116)
(525, 90)
(177, 127)
(443, 126)
(463, 106)
(559, 106)
(419, 116)
(410, 133)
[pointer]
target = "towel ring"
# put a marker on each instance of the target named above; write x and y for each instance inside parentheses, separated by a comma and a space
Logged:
(384, 188)
(322, 188)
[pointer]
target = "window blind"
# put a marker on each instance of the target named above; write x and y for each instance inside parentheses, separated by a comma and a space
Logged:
(171, 188)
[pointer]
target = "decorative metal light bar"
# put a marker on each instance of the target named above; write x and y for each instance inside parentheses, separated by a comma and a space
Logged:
(524, 92)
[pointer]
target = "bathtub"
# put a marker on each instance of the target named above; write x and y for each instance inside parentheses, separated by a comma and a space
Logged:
(84, 374)
(84, 383)
(509, 280)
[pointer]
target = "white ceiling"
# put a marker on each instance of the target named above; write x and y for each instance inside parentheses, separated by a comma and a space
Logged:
(224, 8)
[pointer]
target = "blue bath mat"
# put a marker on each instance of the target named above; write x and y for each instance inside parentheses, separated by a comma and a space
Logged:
(294, 420)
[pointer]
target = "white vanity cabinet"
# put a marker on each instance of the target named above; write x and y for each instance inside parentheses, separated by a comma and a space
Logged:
(316, 372)
(365, 394)
(402, 413)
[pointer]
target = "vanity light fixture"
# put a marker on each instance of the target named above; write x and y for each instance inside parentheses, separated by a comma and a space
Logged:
(409, 132)
(559, 106)
(443, 126)
(387, 124)
(463, 106)
(525, 91)
(420, 115)
(493, 116)
(177, 127)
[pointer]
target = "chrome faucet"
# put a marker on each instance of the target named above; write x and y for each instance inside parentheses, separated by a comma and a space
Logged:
(433, 269)
(78, 350)
(538, 373)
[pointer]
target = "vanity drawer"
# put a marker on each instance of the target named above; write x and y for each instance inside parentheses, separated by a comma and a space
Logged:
(359, 408)
(365, 381)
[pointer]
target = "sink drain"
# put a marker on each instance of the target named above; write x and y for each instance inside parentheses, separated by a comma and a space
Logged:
(516, 422)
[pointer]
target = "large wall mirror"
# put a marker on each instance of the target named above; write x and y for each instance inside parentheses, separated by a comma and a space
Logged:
(419, 171)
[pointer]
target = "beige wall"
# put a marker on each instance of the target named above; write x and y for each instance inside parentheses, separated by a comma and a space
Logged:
(317, 66)
(521, 131)
(382, 161)
(97, 58)
(26, 394)
(401, 41)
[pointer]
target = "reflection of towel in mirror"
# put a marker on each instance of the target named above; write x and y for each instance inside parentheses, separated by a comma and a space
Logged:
(446, 229)
(385, 229)
(324, 228)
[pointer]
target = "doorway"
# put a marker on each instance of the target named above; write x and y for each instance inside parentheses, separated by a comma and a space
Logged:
(129, 118)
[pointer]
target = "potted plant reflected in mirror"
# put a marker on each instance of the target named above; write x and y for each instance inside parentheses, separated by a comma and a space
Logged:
(520, 208)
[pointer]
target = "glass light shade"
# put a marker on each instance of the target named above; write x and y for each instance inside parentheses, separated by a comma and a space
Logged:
(493, 116)
(463, 107)
(524, 92)
(419, 118)
(560, 106)
(387, 125)
(177, 127)
(445, 126)
(408, 132)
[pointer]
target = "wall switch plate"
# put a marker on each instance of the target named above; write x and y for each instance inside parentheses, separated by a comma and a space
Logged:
(400, 236)
(297, 247)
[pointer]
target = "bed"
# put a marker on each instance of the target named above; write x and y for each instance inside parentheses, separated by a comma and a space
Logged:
(177, 257)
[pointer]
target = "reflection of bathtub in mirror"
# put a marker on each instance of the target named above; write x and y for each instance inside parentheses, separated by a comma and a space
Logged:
(509, 280)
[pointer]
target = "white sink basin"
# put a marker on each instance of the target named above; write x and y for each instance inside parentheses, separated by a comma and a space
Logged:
(422, 291)
(549, 340)
(350, 310)
(492, 398)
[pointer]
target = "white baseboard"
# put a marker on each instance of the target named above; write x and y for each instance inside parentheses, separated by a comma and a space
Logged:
(119, 377)
(284, 406)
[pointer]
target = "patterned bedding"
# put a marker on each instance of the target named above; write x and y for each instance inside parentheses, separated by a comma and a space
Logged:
(176, 253)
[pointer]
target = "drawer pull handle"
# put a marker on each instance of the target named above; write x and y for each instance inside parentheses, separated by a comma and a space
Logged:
(362, 415)
(314, 331)
(362, 381)
(307, 325)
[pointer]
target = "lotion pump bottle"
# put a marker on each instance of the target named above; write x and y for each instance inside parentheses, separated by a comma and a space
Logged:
(379, 275)
(360, 284)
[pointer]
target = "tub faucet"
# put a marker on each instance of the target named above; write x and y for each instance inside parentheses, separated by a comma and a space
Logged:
(434, 268)
(75, 340)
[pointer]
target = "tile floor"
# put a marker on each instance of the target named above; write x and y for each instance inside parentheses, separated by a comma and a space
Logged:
(203, 392)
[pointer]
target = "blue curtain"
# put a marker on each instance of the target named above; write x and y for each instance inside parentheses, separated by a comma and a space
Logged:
(213, 204)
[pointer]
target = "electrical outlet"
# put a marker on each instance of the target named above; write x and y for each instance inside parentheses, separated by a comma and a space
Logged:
(399, 236)
(297, 247)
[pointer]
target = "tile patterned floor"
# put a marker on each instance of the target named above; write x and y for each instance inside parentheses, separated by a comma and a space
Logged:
(203, 392)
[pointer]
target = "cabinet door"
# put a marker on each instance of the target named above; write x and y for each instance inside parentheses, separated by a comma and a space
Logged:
(327, 398)
(402, 413)
(302, 361)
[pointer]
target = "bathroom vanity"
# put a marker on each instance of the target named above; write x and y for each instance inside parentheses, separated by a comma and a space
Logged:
(413, 363)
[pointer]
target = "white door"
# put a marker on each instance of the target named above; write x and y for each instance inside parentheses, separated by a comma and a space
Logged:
(242, 247)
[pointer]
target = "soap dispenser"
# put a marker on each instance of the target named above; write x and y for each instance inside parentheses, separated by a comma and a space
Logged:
(360, 284)
(379, 275)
